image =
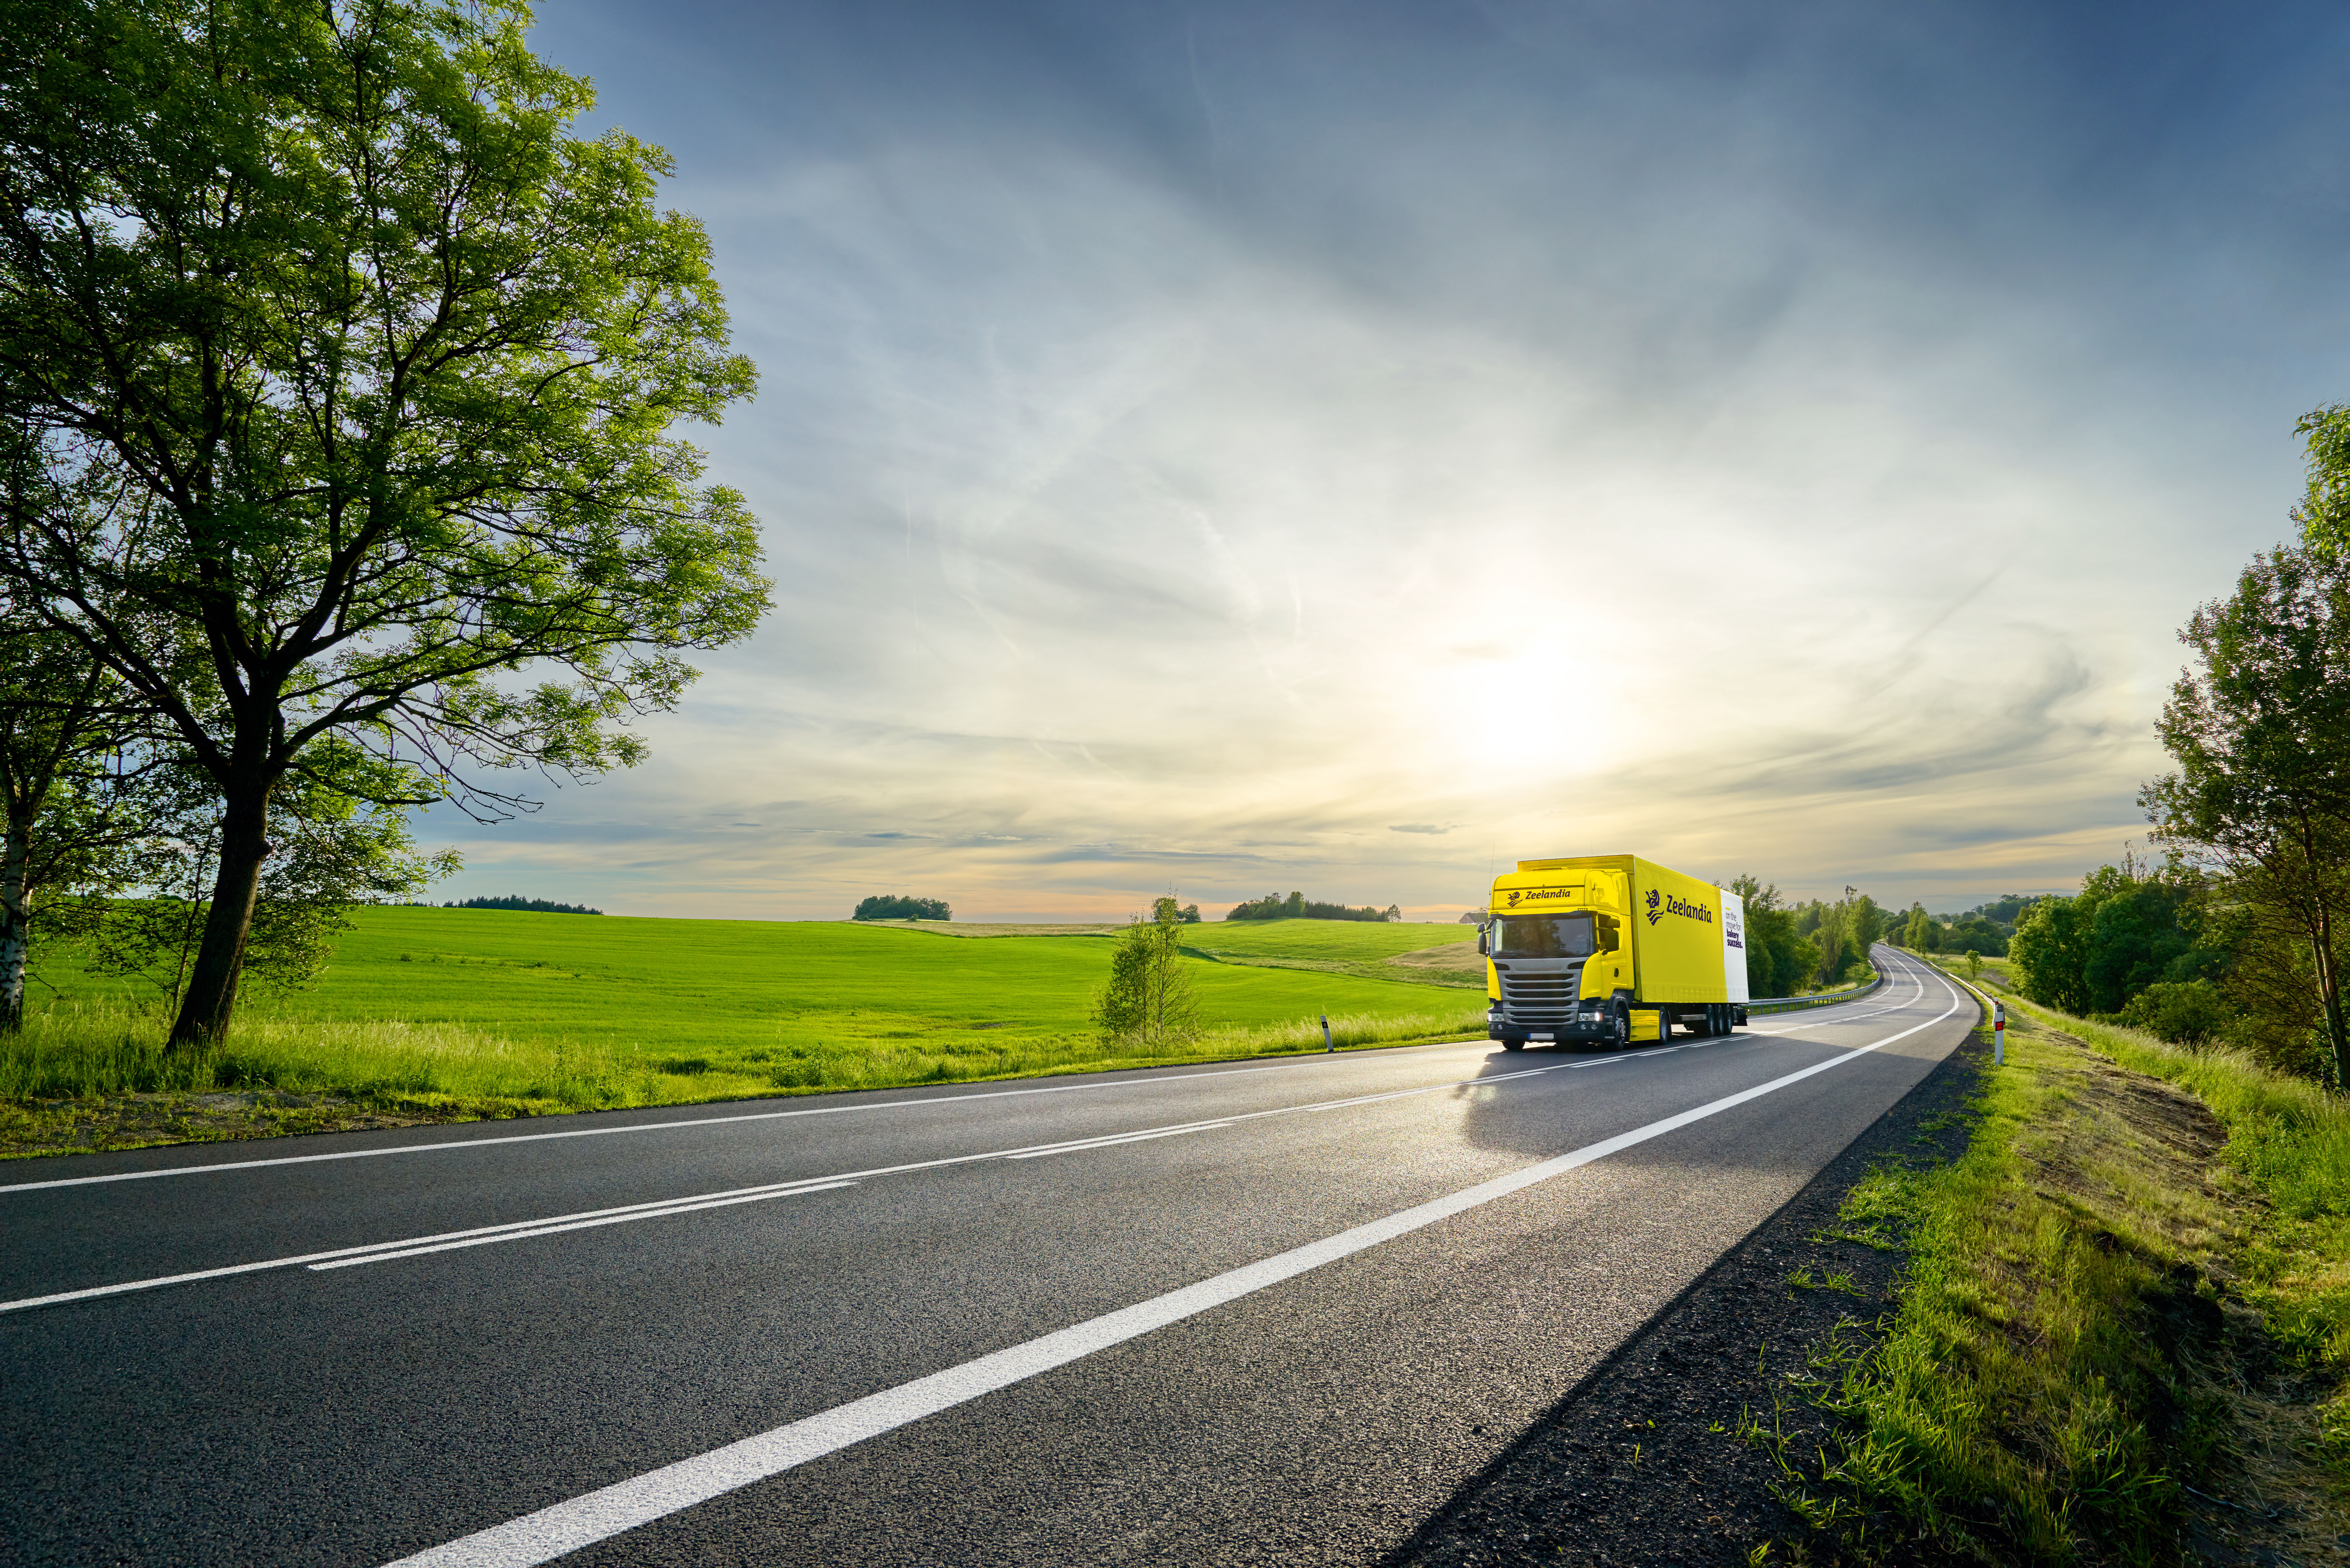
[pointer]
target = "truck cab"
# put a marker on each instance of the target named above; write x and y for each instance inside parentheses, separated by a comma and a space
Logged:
(1557, 975)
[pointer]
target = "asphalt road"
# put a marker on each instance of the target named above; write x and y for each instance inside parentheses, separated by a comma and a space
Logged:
(1266, 1312)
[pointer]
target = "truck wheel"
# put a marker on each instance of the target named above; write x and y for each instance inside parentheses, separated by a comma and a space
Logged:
(1620, 1032)
(1509, 1044)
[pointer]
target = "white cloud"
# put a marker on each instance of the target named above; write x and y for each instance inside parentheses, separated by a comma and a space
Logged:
(1614, 464)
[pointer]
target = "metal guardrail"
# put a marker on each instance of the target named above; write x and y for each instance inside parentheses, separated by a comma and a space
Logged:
(1819, 999)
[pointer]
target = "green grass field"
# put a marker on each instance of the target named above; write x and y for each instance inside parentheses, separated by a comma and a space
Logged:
(490, 1012)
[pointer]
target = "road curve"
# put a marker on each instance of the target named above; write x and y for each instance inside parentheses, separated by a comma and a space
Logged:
(1259, 1312)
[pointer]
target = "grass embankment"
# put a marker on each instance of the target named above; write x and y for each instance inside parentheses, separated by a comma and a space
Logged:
(436, 1013)
(2130, 1293)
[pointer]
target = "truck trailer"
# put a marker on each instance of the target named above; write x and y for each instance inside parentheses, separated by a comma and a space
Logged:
(1609, 950)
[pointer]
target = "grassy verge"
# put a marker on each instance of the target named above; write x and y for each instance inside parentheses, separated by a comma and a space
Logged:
(2126, 1301)
(93, 1076)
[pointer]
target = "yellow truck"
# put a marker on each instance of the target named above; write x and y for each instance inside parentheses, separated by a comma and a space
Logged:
(1608, 949)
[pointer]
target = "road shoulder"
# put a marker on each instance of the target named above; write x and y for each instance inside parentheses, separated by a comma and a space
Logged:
(1645, 1462)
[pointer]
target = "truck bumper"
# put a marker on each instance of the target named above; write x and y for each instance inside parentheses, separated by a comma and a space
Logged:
(1581, 1026)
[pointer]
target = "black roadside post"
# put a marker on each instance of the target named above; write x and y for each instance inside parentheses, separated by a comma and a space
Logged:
(1326, 1046)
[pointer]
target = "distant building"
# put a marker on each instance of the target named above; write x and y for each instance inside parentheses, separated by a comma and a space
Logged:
(1471, 919)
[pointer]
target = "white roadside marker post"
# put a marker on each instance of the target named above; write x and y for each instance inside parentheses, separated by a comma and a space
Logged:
(1999, 1033)
(1326, 1046)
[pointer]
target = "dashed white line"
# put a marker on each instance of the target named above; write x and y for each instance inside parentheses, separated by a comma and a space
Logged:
(566, 1527)
(411, 1247)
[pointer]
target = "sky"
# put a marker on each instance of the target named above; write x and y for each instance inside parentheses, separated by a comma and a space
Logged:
(1226, 449)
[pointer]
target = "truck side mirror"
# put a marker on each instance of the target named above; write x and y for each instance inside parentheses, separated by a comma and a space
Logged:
(1484, 942)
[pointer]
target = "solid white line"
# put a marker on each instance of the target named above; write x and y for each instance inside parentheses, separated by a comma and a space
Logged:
(579, 1225)
(1113, 1142)
(1855, 1018)
(495, 1233)
(411, 1246)
(447, 1144)
(599, 1515)
(554, 1224)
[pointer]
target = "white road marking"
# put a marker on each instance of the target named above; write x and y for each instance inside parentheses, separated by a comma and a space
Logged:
(449, 1145)
(1113, 1142)
(495, 1233)
(410, 1247)
(1853, 1018)
(595, 1516)
(579, 1225)
(548, 1225)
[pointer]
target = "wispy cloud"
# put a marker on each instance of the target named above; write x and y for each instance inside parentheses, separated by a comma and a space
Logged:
(1350, 452)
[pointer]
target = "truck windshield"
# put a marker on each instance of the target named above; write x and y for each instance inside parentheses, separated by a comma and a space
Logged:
(1544, 936)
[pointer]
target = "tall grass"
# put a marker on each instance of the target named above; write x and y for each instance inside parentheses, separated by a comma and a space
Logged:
(90, 1050)
(94, 1049)
(2056, 1370)
(2289, 1140)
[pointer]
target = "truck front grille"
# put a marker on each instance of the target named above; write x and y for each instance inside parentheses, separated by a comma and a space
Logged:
(1539, 999)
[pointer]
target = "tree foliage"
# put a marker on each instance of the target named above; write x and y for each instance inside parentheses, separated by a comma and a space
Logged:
(74, 791)
(330, 847)
(2129, 928)
(892, 907)
(1777, 961)
(366, 368)
(2261, 730)
(1298, 907)
(1148, 1001)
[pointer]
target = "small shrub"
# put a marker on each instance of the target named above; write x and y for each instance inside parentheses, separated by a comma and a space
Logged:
(2184, 1012)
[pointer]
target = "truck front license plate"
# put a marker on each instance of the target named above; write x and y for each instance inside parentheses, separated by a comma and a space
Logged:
(1542, 1036)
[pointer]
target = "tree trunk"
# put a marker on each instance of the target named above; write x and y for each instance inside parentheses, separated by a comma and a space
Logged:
(210, 1001)
(2329, 992)
(16, 923)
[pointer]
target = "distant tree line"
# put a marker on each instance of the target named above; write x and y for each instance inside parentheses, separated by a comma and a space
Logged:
(1794, 947)
(1986, 929)
(2238, 935)
(1298, 906)
(891, 906)
(535, 906)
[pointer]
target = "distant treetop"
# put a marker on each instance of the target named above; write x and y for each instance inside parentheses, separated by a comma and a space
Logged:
(535, 906)
(1273, 907)
(893, 907)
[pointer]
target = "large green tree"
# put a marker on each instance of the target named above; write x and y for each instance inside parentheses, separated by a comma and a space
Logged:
(2260, 731)
(383, 365)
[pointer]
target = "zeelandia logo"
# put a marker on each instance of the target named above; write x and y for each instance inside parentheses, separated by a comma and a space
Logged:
(1676, 907)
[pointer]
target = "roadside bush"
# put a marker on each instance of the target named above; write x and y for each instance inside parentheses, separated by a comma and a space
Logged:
(2184, 1012)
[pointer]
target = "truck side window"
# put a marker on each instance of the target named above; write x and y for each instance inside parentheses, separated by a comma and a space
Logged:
(1606, 924)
